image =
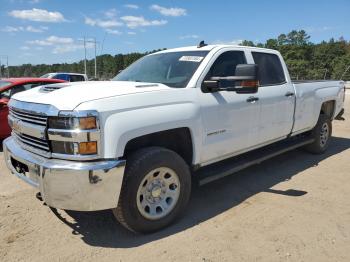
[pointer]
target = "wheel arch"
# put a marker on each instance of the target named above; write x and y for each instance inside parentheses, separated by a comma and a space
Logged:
(328, 108)
(178, 140)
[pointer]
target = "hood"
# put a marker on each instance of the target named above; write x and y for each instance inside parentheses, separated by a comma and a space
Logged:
(67, 96)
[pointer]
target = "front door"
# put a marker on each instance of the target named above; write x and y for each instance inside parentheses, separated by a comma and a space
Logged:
(229, 120)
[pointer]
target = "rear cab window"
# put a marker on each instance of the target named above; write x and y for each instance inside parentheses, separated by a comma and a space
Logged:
(76, 78)
(270, 70)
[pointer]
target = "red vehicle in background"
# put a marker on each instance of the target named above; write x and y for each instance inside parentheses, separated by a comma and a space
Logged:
(11, 86)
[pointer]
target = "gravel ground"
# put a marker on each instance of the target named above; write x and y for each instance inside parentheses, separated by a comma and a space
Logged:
(295, 207)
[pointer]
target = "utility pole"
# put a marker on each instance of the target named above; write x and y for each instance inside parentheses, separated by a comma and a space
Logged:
(346, 70)
(85, 56)
(7, 65)
(325, 74)
(95, 59)
(95, 45)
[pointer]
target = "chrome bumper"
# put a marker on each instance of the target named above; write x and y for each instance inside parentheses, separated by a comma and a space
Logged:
(71, 185)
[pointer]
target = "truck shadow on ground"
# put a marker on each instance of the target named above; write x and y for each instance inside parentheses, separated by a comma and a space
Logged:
(101, 229)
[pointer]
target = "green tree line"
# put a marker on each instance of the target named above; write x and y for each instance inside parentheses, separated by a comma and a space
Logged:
(305, 60)
(309, 61)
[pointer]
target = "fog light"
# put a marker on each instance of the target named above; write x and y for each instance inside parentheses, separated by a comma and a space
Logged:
(87, 148)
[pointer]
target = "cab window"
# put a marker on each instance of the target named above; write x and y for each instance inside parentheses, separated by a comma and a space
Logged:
(270, 69)
(225, 65)
(62, 77)
(76, 78)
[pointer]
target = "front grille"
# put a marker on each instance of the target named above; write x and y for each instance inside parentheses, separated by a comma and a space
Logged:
(29, 117)
(27, 137)
(32, 141)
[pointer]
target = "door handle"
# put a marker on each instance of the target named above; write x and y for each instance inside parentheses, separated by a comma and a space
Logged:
(289, 94)
(252, 99)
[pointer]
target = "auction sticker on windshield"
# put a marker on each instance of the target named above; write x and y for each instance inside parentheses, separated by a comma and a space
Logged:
(196, 59)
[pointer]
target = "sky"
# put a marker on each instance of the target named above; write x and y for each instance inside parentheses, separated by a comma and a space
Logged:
(51, 31)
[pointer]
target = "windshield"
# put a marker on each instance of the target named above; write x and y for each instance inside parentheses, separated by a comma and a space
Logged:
(4, 84)
(173, 69)
(45, 76)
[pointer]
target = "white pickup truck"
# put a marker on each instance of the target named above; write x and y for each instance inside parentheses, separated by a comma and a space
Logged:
(135, 144)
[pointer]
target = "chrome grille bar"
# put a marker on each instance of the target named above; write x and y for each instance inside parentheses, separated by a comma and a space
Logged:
(31, 141)
(29, 117)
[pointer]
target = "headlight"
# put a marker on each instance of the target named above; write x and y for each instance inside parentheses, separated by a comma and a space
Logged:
(74, 134)
(82, 123)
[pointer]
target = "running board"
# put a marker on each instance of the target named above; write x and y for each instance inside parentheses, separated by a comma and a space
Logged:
(232, 165)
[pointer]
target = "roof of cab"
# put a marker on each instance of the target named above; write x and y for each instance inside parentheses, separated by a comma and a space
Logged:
(211, 47)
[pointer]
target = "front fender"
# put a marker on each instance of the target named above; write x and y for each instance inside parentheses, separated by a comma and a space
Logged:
(121, 127)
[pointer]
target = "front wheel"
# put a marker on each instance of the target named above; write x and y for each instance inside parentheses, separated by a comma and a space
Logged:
(322, 133)
(155, 190)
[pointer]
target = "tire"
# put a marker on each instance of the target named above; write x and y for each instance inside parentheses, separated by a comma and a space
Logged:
(158, 178)
(322, 133)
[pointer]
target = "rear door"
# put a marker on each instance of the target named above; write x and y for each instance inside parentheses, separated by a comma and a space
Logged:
(276, 98)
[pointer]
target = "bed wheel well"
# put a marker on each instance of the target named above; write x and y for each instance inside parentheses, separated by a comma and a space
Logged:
(328, 108)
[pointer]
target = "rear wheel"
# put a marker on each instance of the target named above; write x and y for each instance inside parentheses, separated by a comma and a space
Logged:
(155, 190)
(322, 133)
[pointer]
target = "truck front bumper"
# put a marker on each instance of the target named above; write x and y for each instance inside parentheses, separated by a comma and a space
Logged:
(71, 185)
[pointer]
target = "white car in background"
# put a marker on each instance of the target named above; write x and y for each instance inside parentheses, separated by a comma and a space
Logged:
(70, 77)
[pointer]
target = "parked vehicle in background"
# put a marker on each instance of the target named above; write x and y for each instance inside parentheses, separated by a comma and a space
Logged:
(11, 86)
(135, 144)
(70, 77)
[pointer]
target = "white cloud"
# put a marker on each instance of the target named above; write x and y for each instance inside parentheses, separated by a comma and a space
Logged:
(24, 48)
(66, 48)
(38, 15)
(113, 32)
(132, 6)
(102, 23)
(59, 45)
(12, 29)
(59, 40)
(138, 21)
(172, 11)
(32, 29)
(52, 40)
(27, 54)
(34, 1)
(312, 29)
(59, 49)
(131, 33)
(229, 42)
(36, 29)
(111, 13)
(189, 37)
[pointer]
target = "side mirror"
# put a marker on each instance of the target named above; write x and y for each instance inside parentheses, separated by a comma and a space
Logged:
(3, 103)
(249, 83)
(245, 81)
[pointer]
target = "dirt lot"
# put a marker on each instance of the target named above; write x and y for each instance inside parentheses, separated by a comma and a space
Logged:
(295, 207)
